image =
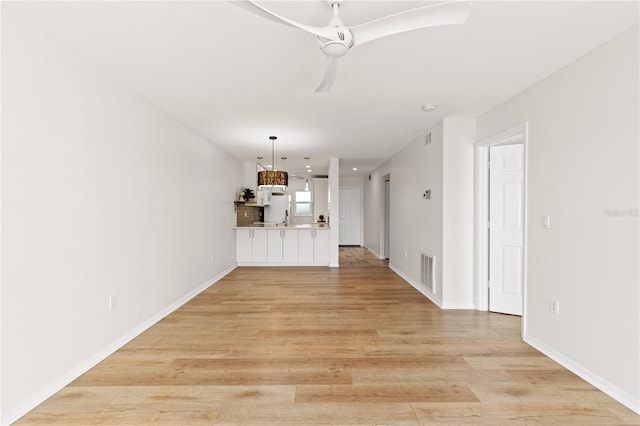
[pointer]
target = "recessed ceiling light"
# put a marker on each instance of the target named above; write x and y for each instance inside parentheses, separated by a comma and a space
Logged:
(309, 170)
(429, 108)
(354, 169)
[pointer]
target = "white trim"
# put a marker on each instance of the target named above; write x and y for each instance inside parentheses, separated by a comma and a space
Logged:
(481, 254)
(372, 251)
(383, 216)
(417, 286)
(623, 397)
(454, 306)
(36, 398)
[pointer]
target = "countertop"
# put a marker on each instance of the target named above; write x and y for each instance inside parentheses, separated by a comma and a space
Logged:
(283, 226)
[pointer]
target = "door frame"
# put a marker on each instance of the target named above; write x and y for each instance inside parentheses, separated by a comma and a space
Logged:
(359, 189)
(519, 133)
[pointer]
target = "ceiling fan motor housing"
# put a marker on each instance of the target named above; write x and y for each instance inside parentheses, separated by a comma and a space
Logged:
(339, 45)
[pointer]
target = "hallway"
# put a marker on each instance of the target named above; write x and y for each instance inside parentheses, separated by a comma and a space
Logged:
(348, 345)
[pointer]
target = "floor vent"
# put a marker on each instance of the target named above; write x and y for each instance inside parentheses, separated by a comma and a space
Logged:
(427, 271)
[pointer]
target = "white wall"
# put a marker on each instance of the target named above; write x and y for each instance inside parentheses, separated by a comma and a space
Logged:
(351, 182)
(583, 171)
(102, 194)
(457, 212)
(334, 209)
(320, 187)
(373, 201)
(441, 226)
(416, 223)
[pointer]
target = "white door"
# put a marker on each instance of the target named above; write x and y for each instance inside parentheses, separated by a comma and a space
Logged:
(350, 223)
(506, 228)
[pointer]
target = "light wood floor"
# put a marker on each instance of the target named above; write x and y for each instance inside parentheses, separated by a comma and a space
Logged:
(354, 345)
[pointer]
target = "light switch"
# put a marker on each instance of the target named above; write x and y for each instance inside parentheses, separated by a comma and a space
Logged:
(546, 221)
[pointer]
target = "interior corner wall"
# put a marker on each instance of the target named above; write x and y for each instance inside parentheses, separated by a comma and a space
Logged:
(583, 171)
(103, 194)
(373, 202)
(441, 226)
(415, 223)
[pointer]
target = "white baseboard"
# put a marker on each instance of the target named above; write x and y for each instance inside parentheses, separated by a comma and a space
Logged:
(14, 413)
(417, 286)
(453, 306)
(372, 251)
(624, 398)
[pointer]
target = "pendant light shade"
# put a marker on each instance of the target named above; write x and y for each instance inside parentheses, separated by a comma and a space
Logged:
(273, 178)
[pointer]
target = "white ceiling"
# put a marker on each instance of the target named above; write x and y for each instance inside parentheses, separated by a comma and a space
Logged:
(237, 78)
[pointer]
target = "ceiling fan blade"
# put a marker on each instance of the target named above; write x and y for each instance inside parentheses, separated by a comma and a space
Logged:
(256, 9)
(329, 75)
(450, 13)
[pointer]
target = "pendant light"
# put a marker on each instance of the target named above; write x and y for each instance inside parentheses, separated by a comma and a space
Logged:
(273, 178)
(306, 185)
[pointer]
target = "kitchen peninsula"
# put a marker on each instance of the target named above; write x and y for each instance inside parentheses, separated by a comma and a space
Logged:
(270, 244)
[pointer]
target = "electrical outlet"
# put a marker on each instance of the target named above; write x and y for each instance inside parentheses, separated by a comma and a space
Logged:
(554, 306)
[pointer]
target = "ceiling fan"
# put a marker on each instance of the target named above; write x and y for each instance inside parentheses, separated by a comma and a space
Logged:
(336, 39)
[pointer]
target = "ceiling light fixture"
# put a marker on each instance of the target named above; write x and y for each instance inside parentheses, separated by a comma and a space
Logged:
(429, 108)
(355, 169)
(273, 178)
(307, 166)
(306, 185)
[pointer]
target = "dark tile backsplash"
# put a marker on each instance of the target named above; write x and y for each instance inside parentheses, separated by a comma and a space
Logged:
(246, 215)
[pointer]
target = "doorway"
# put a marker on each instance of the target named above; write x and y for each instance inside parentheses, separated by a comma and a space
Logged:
(350, 228)
(501, 222)
(387, 218)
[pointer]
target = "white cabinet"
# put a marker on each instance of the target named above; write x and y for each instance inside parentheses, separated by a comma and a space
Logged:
(282, 246)
(313, 246)
(321, 247)
(274, 243)
(263, 198)
(290, 247)
(251, 245)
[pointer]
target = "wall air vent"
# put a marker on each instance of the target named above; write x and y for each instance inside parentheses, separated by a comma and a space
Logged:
(427, 138)
(427, 271)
